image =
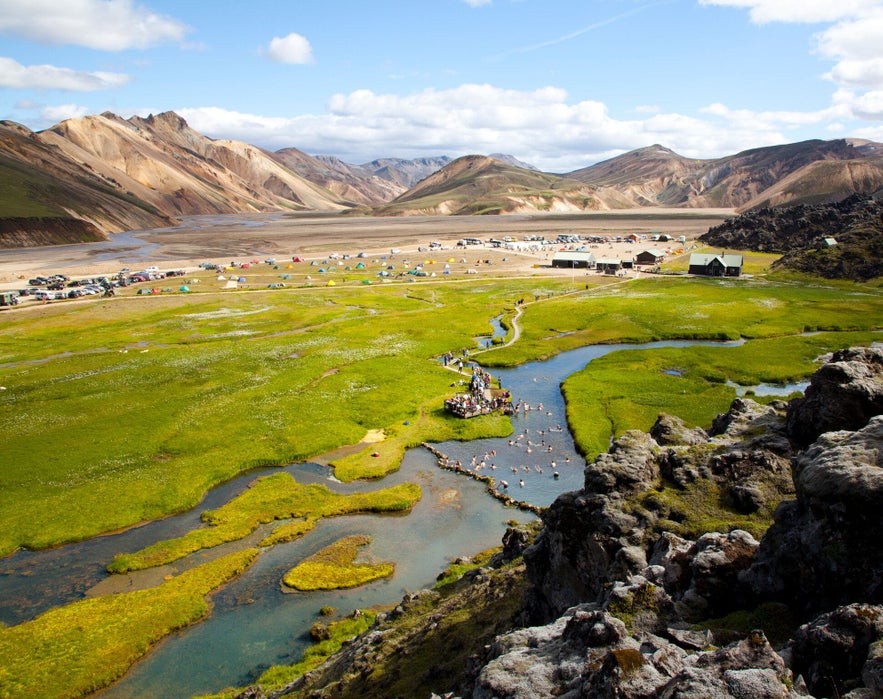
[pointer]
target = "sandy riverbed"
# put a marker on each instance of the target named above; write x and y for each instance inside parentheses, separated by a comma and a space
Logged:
(223, 239)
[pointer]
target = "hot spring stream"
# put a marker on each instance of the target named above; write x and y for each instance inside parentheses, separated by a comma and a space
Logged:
(253, 623)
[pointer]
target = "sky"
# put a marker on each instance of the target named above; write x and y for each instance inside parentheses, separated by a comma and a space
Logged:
(559, 84)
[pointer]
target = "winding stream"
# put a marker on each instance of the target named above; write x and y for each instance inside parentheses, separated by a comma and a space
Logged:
(254, 624)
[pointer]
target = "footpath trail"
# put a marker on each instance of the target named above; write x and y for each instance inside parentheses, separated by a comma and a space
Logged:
(516, 328)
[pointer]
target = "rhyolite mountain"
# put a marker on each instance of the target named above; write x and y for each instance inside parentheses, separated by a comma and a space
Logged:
(808, 172)
(89, 177)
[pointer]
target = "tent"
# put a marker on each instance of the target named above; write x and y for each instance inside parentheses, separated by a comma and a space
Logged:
(361, 265)
(330, 282)
(296, 259)
(241, 280)
(184, 288)
(231, 284)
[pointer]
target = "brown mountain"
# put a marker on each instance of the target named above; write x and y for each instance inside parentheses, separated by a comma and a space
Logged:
(476, 184)
(807, 172)
(48, 198)
(353, 183)
(85, 178)
(164, 162)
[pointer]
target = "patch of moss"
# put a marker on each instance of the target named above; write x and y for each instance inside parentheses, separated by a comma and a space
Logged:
(629, 660)
(627, 608)
(776, 620)
(334, 568)
(702, 507)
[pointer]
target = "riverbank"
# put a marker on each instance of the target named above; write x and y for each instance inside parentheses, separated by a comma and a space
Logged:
(221, 239)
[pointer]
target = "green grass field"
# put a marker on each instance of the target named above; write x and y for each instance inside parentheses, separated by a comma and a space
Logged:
(118, 411)
(133, 407)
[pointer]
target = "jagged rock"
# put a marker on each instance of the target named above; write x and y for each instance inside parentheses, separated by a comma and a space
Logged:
(842, 395)
(515, 540)
(678, 469)
(647, 607)
(690, 638)
(747, 498)
(540, 661)
(748, 669)
(669, 429)
(824, 549)
(715, 566)
(743, 416)
(673, 553)
(631, 464)
(834, 651)
(872, 672)
(569, 561)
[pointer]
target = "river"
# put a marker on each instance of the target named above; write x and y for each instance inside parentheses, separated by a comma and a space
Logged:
(254, 624)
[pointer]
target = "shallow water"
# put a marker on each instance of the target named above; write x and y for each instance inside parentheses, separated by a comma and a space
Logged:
(254, 624)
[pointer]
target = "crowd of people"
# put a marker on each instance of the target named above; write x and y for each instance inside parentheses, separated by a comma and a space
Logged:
(481, 398)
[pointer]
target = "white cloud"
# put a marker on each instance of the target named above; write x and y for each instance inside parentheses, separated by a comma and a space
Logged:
(293, 48)
(851, 40)
(857, 47)
(107, 25)
(45, 77)
(812, 11)
(540, 127)
(477, 3)
(60, 112)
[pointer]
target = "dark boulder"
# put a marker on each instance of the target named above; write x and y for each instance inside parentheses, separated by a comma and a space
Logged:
(842, 395)
(840, 650)
(824, 549)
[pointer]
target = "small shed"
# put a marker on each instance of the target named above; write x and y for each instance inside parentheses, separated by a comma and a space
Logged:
(608, 265)
(710, 265)
(650, 257)
(573, 259)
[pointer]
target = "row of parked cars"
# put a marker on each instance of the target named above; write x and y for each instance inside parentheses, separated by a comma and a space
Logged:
(60, 286)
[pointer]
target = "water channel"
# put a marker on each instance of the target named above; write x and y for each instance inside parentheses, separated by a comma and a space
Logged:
(254, 624)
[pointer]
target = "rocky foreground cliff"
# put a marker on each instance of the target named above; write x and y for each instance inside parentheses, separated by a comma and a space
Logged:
(622, 593)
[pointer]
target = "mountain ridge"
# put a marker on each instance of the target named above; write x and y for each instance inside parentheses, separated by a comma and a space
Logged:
(93, 176)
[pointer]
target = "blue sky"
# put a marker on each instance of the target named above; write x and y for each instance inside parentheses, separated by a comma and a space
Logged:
(560, 84)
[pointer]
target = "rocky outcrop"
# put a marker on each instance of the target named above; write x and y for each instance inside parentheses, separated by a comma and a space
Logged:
(601, 534)
(801, 234)
(840, 650)
(823, 554)
(824, 548)
(589, 654)
(842, 395)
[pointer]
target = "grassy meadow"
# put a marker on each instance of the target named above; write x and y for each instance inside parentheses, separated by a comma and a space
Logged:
(122, 410)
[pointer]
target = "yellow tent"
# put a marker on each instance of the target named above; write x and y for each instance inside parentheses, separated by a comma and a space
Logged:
(330, 282)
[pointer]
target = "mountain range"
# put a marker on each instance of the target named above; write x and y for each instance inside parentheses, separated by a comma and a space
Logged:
(89, 177)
